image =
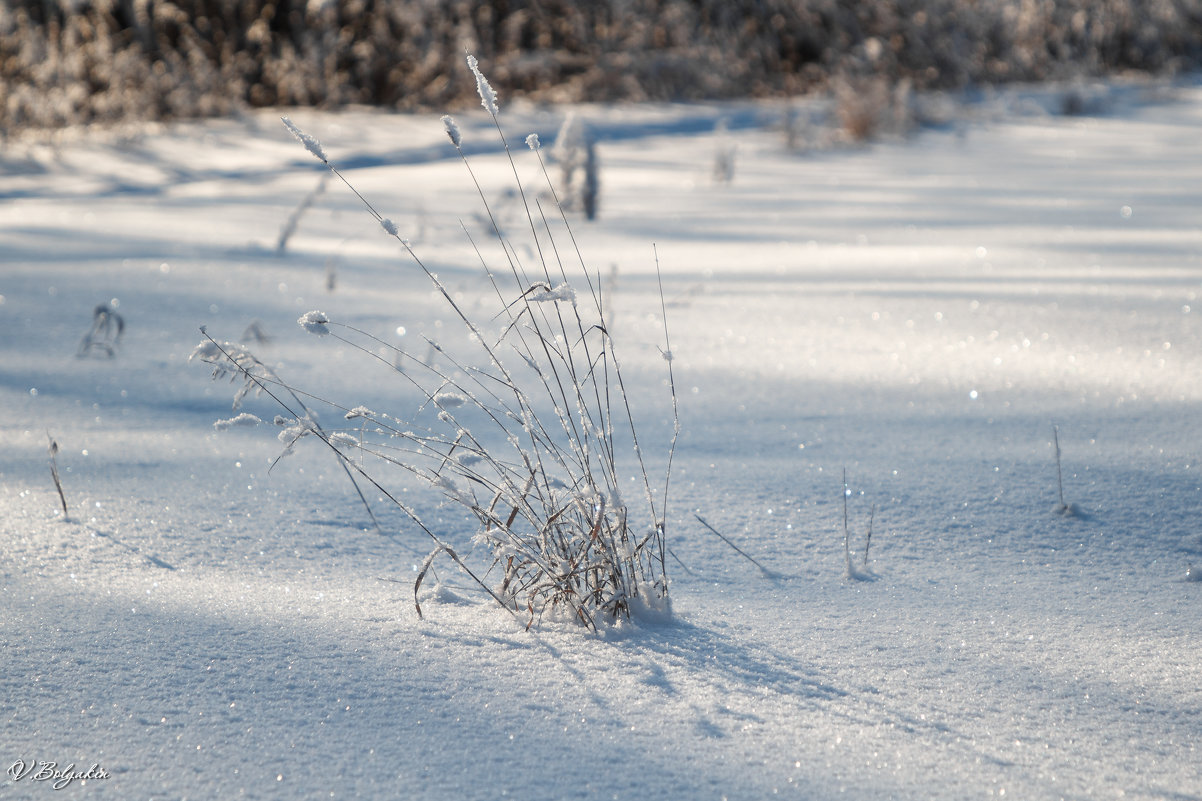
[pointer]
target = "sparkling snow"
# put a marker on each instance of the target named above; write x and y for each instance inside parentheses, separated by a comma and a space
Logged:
(919, 313)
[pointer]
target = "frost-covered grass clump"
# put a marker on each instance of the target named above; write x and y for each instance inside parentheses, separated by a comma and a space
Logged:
(527, 429)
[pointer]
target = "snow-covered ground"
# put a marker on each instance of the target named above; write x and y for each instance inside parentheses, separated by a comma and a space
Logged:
(919, 313)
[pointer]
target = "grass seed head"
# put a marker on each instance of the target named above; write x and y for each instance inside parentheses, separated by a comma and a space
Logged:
(311, 144)
(488, 98)
(314, 322)
(448, 122)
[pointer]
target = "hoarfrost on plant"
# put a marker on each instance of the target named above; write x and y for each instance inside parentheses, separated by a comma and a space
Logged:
(314, 322)
(543, 294)
(244, 420)
(311, 144)
(448, 122)
(488, 98)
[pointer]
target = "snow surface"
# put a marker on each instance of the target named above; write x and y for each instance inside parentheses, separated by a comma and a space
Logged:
(920, 313)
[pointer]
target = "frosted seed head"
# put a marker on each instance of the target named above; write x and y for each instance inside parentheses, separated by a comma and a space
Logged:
(389, 226)
(488, 98)
(314, 322)
(532, 142)
(311, 144)
(448, 122)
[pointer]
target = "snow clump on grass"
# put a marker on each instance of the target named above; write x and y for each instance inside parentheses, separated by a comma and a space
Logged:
(311, 144)
(449, 400)
(545, 294)
(488, 98)
(314, 322)
(244, 420)
(452, 129)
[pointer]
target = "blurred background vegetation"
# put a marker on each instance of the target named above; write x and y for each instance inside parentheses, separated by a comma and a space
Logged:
(65, 62)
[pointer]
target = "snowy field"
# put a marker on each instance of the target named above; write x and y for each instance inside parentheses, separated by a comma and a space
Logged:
(919, 313)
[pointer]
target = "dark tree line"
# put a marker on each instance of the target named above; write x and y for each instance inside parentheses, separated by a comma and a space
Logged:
(71, 61)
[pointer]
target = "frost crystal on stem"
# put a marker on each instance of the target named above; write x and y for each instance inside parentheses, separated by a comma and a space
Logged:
(532, 142)
(311, 144)
(242, 420)
(488, 98)
(389, 226)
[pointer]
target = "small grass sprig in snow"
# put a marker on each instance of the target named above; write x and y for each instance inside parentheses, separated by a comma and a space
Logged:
(52, 449)
(854, 572)
(1063, 508)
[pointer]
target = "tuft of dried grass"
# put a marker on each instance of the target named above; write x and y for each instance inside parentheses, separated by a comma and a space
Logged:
(527, 431)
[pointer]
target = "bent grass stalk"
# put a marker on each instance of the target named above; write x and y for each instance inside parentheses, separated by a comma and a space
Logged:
(767, 572)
